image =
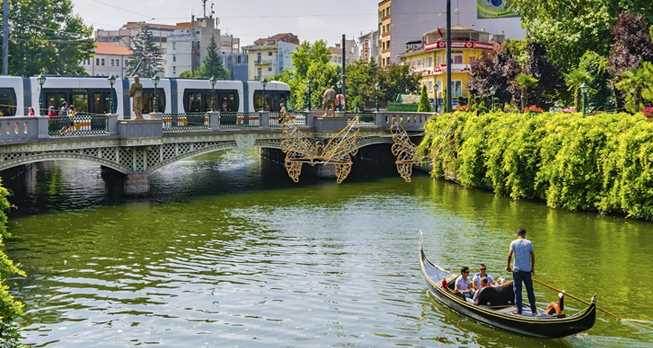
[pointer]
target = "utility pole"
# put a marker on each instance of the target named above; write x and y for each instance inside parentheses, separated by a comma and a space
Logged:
(449, 91)
(5, 38)
(344, 65)
(204, 5)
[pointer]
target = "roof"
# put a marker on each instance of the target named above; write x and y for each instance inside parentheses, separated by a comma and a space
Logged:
(111, 48)
(184, 26)
(151, 26)
(284, 37)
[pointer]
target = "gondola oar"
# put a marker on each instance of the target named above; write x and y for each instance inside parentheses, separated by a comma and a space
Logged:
(575, 297)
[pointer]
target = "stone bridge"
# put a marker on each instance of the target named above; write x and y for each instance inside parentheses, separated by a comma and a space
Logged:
(137, 148)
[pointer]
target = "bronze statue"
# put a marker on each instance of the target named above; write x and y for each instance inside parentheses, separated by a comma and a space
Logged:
(329, 102)
(136, 92)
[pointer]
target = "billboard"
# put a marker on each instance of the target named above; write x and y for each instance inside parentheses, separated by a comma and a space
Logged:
(494, 9)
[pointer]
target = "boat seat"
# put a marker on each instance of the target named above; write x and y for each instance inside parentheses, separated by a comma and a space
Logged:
(496, 296)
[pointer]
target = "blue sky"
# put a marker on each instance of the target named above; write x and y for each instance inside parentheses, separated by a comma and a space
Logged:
(248, 19)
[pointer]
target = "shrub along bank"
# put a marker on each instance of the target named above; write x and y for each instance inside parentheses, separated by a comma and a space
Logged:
(10, 308)
(601, 163)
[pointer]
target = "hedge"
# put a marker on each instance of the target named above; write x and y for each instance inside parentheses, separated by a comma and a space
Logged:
(10, 308)
(601, 163)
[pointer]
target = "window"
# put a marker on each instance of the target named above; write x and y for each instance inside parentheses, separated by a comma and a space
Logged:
(102, 61)
(7, 102)
(269, 54)
(174, 70)
(112, 63)
(148, 100)
(94, 101)
(269, 100)
(457, 89)
(97, 61)
(203, 100)
(457, 58)
(270, 68)
(174, 58)
(174, 46)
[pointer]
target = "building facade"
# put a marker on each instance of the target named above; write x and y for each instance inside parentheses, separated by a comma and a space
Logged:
(270, 56)
(402, 21)
(369, 46)
(187, 46)
(351, 51)
(428, 59)
(128, 32)
(110, 58)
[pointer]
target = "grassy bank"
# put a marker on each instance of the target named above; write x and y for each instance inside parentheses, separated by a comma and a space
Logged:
(601, 163)
(10, 308)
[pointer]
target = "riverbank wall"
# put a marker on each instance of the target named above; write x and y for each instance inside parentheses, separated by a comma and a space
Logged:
(601, 163)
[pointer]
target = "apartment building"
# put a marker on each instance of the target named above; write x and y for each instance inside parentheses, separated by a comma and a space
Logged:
(188, 45)
(402, 21)
(351, 51)
(369, 46)
(110, 58)
(127, 32)
(270, 56)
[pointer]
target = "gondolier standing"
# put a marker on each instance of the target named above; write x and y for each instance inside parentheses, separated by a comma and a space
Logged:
(522, 269)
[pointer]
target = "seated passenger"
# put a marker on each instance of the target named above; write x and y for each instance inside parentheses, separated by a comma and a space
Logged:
(556, 308)
(476, 281)
(462, 284)
(484, 283)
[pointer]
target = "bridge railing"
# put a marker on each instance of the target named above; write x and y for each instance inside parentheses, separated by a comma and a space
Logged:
(79, 125)
(21, 129)
(180, 123)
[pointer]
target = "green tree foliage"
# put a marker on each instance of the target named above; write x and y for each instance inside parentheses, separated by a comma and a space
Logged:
(593, 71)
(424, 104)
(637, 87)
(599, 163)
(146, 60)
(311, 66)
(395, 80)
(212, 65)
(46, 37)
(362, 78)
(10, 308)
(525, 83)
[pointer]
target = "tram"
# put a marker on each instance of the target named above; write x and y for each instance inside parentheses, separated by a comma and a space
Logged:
(96, 95)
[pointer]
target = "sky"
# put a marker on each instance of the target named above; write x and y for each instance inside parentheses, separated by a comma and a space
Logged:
(248, 19)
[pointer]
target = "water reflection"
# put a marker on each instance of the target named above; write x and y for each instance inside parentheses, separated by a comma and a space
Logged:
(224, 255)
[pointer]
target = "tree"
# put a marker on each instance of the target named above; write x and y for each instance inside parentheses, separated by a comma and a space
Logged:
(395, 80)
(146, 60)
(632, 43)
(550, 83)
(569, 28)
(493, 77)
(212, 65)
(424, 104)
(46, 37)
(362, 78)
(525, 82)
(637, 86)
(593, 71)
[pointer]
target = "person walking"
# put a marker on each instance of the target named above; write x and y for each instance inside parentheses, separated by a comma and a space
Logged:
(522, 270)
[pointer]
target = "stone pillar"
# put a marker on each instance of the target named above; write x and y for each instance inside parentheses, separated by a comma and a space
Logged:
(137, 184)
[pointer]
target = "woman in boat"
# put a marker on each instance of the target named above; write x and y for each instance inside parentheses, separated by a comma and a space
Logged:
(462, 285)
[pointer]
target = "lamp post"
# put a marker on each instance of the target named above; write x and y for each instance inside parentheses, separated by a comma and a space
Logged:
(213, 81)
(583, 91)
(112, 81)
(156, 94)
(449, 89)
(377, 85)
(310, 94)
(41, 79)
(493, 92)
(265, 96)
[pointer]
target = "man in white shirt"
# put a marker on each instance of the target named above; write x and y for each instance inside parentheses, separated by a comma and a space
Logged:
(462, 284)
(476, 281)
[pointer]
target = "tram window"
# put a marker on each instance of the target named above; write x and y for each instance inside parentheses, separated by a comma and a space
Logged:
(80, 101)
(270, 100)
(148, 100)
(94, 101)
(7, 102)
(203, 100)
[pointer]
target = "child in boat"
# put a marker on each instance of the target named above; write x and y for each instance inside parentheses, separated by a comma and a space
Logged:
(484, 283)
(556, 308)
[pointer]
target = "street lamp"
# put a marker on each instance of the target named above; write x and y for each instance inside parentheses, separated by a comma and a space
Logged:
(156, 99)
(583, 91)
(493, 92)
(377, 85)
(310, 93)
(213, 81)
(41, 79)
(112, 81)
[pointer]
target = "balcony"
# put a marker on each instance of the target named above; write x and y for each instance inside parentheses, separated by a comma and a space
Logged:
(262, 62)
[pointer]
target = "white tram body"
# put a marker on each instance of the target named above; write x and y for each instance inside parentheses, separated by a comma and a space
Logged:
(94, 95)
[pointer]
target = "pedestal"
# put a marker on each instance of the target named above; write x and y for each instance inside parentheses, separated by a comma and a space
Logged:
(137, 184)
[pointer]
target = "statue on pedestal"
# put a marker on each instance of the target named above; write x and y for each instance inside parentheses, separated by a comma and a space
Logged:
(329, 102)
(136, 92)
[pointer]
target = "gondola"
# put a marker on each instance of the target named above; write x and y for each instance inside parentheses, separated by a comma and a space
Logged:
(496, 308)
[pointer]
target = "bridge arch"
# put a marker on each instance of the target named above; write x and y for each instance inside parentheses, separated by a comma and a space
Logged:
(57, 156)
(191, 154)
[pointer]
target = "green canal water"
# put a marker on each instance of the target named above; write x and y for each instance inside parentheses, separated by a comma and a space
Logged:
(227, 253)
